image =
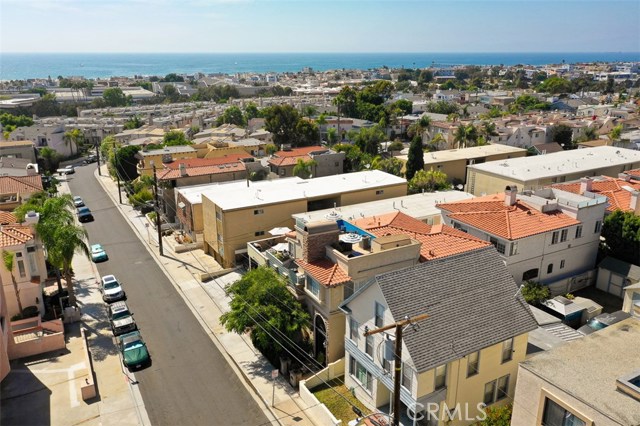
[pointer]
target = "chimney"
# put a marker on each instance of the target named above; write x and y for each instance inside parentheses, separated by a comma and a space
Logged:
(510, 193)
(32, 218)
(183, 170)
(586, 184)
(634, 204)
(625, 177)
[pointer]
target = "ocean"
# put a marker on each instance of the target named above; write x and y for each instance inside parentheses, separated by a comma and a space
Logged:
(15, 66)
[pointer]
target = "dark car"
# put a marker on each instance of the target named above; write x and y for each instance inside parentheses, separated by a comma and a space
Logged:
(90, 159)
(603, 321)
(134, 351)
(84, 214)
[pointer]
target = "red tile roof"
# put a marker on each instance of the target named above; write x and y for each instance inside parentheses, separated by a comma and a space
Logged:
(619, 198)
(20, 184)
(325, 272)
(437, 241)
(14, 235)
(491, 215)
(7, 218)
(203, 166)
(290, 158)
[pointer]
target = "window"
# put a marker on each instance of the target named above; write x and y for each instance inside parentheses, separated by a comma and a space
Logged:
(489, 392)
(500, 246)
(218, 215)
(514, 249)
(360, 373)
(258, 211)
(579, 231)
(368, 345)
(380, 192)
(459, 227)
(530, 274)
(550, 268)
(353, 329)
(598, 226)
(379, 314)
(556, 415)
(220, 238)
(554, 237)
(441, 377)
(473, 364)
(348, 290)
(31, 257)
(562, 264)
(407, 376)
(313, 286)
(20, 264)
(507, 350)
(282, 172)
(503, 388)
(259, 233)
(563, 235)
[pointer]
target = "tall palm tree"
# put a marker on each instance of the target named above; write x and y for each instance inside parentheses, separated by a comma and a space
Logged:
(69, 239)
(8, 260)
(488, 130)
(73, 137)
(303, 168)
(460, 136)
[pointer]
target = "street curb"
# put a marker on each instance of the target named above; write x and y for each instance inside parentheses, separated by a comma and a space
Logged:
(271, 416)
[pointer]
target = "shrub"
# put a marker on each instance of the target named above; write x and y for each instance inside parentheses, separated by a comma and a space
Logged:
(534, 293)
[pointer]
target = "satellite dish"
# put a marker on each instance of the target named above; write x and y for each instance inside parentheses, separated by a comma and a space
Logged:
(333, 215)
(351, 238)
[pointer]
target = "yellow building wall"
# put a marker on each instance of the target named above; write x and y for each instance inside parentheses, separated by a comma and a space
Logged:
(221, 152)
(367, 195)
(147, 170)
(469, 391)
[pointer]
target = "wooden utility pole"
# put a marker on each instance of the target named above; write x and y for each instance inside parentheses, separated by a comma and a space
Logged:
(397, 376)
(158, 221)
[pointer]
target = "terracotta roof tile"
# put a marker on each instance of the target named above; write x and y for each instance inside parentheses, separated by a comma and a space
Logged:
(437, 241)
(7, 218)
(325, 272)
(20, 184)
(491, 215)
(619, 198)
(299, 152)
(13, 235)
(229, 167)
(287, 161)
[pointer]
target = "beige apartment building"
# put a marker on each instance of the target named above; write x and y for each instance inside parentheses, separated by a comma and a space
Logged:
(238, 212)
(545, 170)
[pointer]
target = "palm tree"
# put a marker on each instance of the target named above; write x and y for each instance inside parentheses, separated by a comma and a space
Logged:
(437, 139)
(332, 135)
(303, 168)
(460, 136)
(69, 239)
(8, 258)
(73, 137)
(488, 130)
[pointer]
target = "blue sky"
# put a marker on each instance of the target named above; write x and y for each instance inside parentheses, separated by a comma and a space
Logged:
(319, 26)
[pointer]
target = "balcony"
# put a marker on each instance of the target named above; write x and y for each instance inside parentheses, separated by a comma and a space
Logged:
(271, 252)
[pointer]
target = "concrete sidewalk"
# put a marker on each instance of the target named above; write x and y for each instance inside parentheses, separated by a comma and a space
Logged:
(208, 301)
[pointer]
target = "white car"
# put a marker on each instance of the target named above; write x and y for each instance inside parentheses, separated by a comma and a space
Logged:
(111, 289)
(78, 201)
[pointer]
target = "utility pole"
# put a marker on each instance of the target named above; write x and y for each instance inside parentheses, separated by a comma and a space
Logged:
(98, 158)
(158, 222)
(397, 376)
(119, 189)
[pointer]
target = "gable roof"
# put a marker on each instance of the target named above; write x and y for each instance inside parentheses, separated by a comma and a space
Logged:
(7, 218)
(14, 235)
(437, 240)
(470, 302)
(20, 184)
(618, 197)
(204, 166)
(491, 215)
(290, 158)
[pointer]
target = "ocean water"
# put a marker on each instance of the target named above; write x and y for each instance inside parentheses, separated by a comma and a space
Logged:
(92, 65)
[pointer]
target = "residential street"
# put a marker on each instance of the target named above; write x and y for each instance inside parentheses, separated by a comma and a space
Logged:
(189, 381)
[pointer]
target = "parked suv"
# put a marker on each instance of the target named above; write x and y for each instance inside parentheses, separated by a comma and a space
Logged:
(121, 318)
(602, 321)
(111, 289)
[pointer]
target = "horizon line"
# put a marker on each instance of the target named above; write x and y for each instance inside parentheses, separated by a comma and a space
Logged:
(320, 53)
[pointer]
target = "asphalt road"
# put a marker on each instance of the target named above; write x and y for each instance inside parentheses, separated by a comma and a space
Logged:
(189, 381)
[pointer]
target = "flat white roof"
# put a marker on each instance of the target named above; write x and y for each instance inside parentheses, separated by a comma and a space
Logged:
(419, 206)
(560, 163)
(236, 194)
(466, 153)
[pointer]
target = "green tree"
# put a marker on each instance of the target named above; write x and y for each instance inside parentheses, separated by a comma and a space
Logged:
(308, 111)
(615, 133)
(488, 130)
(442, 107)
(415, 158)
(175, 138)
(535, 293)
(8, 258)
(270, 149)
(419, 127)
(562, 134)
(232, 115)
(173, 77)
(497, 416)
(124, 162)
(395, 146)
(7, 119)
(428, 181)
(51, 158)
(555, 85)
(346, 102)
(355, 160)
(465, 135)
(368, 139)
(115, 97)
(251, 111)
(69, 239)
(332, 135)
(133, 123)
(171, 93)
(262, 306)
(404, 105)
(46, 106)
(281, 121)
(73, 137)
(389, 165)
(307, 133)
(304, 169)
(621, 233)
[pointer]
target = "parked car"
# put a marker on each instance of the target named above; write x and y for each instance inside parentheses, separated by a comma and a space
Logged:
(134, 351)
(98, 254)
(147, 207)
(602, 321)
(78, 201)
(68, 170)
(121, 318)
(111, 289)
(91, 158)
(84, 214)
